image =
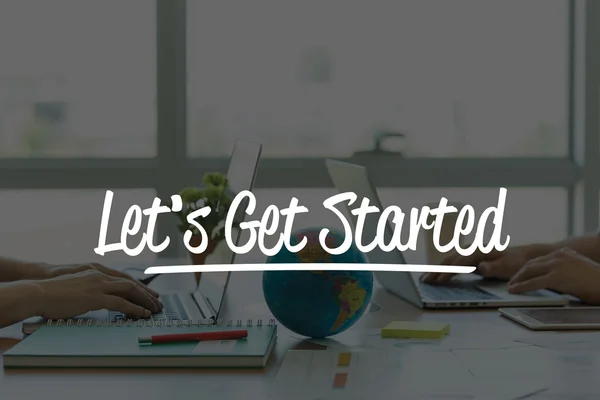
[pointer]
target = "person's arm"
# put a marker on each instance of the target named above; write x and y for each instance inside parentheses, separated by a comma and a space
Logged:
(588, 245)
(18, 301)
(505, 264)
(70, 295)
(565, 271)
(14, 270)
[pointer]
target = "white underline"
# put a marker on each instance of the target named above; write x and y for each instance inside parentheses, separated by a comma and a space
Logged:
(179, 269)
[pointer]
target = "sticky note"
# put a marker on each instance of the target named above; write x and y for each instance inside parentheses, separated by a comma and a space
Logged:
(415, 330)
(339, 380)
(344, 359)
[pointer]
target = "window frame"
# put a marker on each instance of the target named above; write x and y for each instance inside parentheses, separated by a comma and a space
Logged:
(172, 168)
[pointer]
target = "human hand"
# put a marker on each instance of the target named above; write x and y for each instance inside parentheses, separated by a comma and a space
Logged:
(494, 265)
(70, 295)
(564, 271)
(54, 271)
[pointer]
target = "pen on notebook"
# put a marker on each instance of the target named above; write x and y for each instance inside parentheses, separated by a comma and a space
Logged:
(194, 337)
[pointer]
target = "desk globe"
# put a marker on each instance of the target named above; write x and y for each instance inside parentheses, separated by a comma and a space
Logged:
(317, 304)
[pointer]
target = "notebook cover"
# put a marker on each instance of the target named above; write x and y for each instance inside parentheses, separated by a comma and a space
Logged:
(118, 346)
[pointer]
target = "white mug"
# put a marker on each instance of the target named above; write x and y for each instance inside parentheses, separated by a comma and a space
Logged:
(434, 257)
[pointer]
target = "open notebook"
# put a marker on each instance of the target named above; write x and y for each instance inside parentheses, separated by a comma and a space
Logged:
(100, 346)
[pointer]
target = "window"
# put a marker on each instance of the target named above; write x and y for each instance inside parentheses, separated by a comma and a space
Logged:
(63, 226)
(454, 98)
(460, 78)
(77, 78)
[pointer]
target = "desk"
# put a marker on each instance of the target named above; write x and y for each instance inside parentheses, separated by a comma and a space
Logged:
(244, 300)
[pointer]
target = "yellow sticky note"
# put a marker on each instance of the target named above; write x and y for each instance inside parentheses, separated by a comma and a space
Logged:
(415, 330)
(344, 359)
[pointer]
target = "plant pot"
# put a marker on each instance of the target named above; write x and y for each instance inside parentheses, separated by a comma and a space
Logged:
(200, 259)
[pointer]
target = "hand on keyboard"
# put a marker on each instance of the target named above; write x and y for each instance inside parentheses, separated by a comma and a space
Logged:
(564, 271)
(455, 293)
(67, 296)
(60, 270)
(172, 310)
(495, 265)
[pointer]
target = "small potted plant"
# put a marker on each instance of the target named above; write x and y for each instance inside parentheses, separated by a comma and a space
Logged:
(215, 195)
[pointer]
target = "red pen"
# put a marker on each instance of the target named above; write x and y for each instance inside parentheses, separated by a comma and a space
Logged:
(194, 337)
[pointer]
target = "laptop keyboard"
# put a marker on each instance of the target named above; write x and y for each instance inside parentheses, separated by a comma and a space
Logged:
(172, 310)
(455, 293)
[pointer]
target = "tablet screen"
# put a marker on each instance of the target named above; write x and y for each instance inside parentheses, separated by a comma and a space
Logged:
(565, 315)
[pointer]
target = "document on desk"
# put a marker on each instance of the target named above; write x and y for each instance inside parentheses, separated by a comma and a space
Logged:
(323, 374)
(462, 336)
(445, 344)
(564, 340)
(531, 364)
(534, 368)
(380, 374)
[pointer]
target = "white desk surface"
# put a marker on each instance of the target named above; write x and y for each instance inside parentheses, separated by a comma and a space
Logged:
(244, 300)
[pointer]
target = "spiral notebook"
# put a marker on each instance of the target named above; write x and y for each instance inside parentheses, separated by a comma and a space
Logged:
(104, 345)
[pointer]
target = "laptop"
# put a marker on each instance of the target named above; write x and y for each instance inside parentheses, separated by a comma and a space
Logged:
(204, 304)
(465, 291)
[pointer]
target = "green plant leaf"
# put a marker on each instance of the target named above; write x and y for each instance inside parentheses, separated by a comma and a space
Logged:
(215, 179)
(191, 195)
(214, 193)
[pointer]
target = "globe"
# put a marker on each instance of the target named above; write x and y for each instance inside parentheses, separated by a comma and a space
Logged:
(317, 304)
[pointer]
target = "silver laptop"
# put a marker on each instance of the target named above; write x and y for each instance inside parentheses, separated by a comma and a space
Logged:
(206, 301)
(465, 291)
(204, 304)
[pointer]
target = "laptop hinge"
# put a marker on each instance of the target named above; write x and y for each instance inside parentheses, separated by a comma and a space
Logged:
(204, 305)
(422, 297)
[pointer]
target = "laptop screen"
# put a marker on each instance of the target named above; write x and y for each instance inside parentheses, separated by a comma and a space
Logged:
(353, 178)
(241, 175)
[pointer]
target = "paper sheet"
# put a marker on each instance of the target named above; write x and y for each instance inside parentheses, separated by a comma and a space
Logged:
(372, 374)
(548, 395)
(462, 336)
(535, 366)
(405, 395)
(447, 343)
(378, 374)
(564, 340)
(512, 364)
(528, 367)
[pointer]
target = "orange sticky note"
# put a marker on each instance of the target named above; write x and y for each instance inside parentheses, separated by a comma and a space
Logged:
(339, 381)
(344, 359)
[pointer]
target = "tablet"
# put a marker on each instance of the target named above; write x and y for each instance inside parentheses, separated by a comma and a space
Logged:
(552, 318)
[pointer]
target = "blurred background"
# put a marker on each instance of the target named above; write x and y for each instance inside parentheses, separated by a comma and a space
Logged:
(437, 98)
